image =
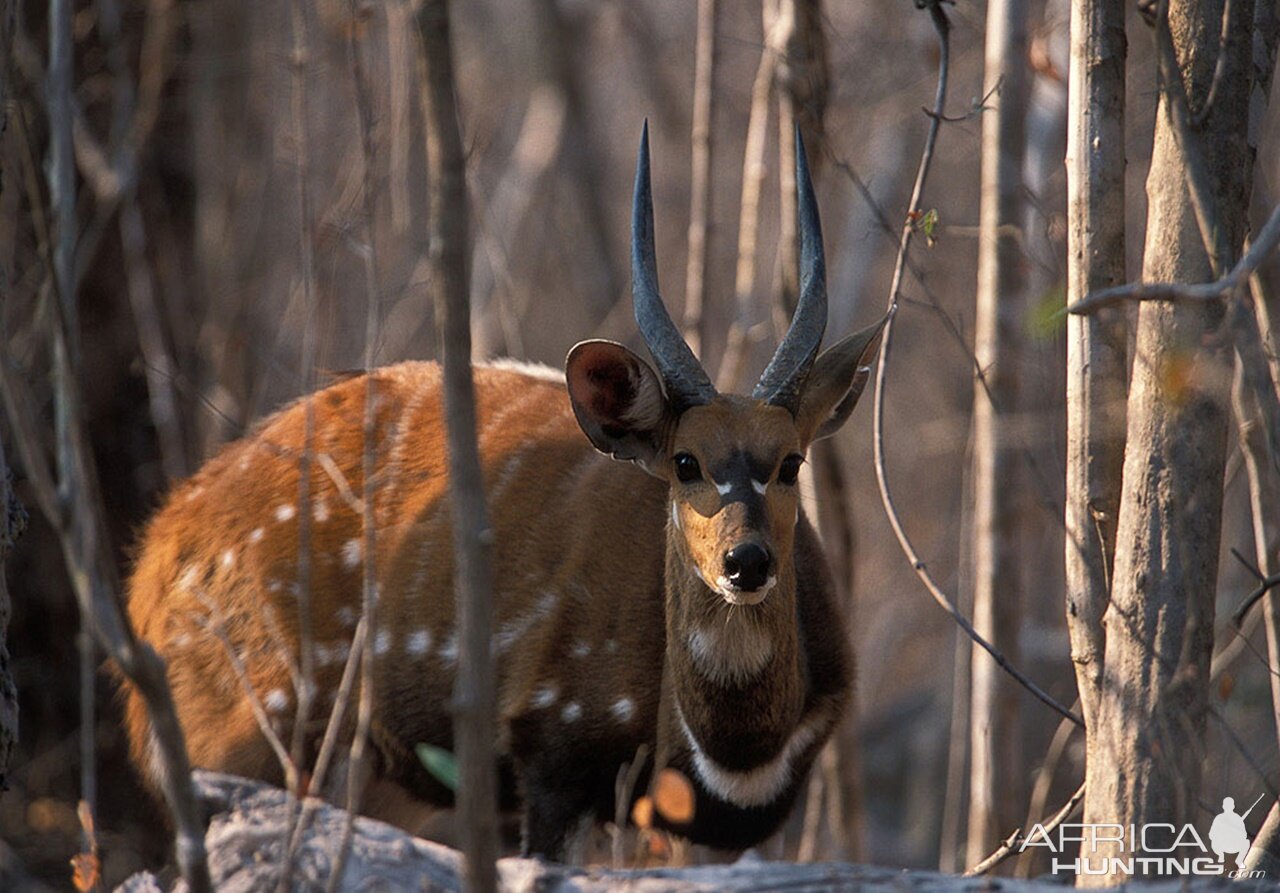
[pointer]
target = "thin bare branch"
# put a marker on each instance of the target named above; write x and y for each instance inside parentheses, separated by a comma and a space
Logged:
(1238, 277)
(473, 697)
(942, 27)
(753, 173)
(695, 283)
(1011, 843)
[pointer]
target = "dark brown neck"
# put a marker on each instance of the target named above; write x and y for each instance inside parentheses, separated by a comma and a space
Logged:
(735, 670)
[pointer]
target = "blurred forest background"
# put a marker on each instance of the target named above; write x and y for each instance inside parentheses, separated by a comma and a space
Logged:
(191, 318)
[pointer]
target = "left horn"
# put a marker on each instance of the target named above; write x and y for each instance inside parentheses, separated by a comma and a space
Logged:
(783, 380)
(686, 381)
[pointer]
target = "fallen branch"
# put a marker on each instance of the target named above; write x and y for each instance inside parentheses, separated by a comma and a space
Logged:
(1010, 845)
(244, 844)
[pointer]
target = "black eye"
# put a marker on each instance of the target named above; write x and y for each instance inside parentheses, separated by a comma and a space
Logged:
(789, 470)
(687, 468)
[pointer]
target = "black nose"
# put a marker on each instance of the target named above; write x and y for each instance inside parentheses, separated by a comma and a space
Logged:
(747, 566)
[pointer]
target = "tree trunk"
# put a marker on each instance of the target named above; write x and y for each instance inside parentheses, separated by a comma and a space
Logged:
(12, 516)
(1095, 343)
(994, 797)
(473, 694)
(1146, 744)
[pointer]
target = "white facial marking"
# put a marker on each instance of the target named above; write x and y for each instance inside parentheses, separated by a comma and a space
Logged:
(320, 510)
(256, 535)
(418, 643)
(544, 696)
(723, 489)
(276, 700)
(735, 596)
(382, 642)
(622, 709)
(580, 649)
(351, 553)
(346, 616)
(285, 512)
(759, 487)
(572, 712)
(675, 516)
(229, 559)
(758, 786)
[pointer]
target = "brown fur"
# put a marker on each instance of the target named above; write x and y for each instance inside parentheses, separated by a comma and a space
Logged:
(595, 604)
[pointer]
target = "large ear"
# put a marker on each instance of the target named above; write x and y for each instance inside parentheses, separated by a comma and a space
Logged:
(836, 382)
(618, 400)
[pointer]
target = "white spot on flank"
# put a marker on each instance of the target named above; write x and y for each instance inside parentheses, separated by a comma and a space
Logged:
(334, 653)
(572, 712)
(418, 643)
(758, 786)
(257, 535)
(449, 650)
(382, 642)
(622, 709)
(229, 559)
(580, 649)
(285, 512)
(189, 578)
(320, 510)
(759, 487)
(351, 553)
(723, 489)
(276, 700)
(346, 616)
(544, 696)
(181, 640)
(611, 646)
(194, 493)
(274, 586)
(514, 630)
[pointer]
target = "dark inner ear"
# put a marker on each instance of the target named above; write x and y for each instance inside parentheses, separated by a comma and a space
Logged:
(617, 400)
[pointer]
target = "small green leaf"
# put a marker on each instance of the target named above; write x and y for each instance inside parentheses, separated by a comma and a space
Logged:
(440, 763)
(927, 223)
(1047, 316)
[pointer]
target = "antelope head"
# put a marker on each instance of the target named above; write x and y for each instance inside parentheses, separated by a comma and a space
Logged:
(731, 461)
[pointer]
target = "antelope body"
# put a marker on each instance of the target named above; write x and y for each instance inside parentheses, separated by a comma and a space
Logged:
(681, 601)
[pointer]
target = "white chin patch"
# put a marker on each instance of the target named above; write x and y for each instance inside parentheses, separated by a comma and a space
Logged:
(735, 596)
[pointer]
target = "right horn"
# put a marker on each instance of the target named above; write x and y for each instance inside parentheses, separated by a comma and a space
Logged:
(783, 380)
(686, 381)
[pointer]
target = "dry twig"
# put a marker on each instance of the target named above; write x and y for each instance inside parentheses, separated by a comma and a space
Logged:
(473, 698)
(942, 27)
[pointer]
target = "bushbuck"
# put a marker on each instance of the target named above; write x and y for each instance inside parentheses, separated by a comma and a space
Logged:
(678, 598)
